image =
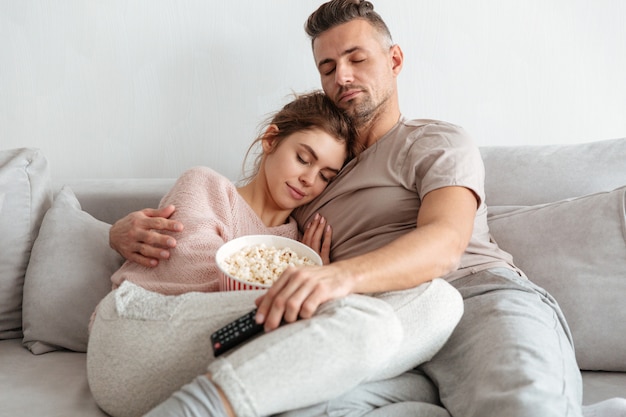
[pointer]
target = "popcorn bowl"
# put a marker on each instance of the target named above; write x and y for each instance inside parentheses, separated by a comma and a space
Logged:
(230, 282)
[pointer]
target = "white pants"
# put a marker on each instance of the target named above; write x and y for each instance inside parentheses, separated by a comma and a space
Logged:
(511, 355)
(144, 346)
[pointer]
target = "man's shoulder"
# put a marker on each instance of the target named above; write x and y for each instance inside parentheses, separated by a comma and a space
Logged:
(431, 124)
(431, 132)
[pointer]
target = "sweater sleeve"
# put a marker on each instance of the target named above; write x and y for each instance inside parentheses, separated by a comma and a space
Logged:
(208, 206)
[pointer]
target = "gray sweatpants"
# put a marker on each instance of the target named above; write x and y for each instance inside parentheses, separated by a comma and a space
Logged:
(144, 346)
(511, 355)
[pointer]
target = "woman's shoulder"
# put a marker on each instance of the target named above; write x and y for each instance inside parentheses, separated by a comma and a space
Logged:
(201, 176)
(199, 186)
(202, 172)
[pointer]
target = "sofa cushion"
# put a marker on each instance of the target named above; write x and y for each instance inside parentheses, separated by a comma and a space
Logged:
(576, 249)
(530, 175)
(25, 195)
(111, 199)
(68, 274)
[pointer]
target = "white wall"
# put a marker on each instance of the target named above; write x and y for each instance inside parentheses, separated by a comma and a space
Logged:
(124, 88)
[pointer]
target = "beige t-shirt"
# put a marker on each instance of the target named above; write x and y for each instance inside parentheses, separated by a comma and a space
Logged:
(376, 198)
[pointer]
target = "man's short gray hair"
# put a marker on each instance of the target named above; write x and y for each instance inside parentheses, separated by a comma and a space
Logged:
(337, 12)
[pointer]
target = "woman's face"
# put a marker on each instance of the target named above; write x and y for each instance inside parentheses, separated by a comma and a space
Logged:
(298, 168)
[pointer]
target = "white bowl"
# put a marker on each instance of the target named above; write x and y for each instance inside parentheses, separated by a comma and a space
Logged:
(232, 283)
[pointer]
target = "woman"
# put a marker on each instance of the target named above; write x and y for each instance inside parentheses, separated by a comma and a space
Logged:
(303, 148)
(151, 335)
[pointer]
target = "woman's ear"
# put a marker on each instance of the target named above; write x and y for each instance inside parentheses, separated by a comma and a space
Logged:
(269, 138)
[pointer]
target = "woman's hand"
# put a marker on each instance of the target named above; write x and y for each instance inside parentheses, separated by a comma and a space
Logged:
(318, 235)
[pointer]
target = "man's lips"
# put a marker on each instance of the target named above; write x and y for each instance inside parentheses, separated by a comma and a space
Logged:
(348, 95)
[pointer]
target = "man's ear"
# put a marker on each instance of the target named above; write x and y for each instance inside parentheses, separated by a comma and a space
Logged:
(269, 138)
(397, 59)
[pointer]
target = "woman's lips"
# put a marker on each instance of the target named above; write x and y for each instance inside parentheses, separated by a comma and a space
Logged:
(295, 193)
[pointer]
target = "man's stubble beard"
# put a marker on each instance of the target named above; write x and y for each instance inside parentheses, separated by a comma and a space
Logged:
(367, 112)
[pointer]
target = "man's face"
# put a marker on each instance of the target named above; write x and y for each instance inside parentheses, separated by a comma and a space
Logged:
(356, 68)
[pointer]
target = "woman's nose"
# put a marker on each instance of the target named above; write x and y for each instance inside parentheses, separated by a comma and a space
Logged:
(307, 177)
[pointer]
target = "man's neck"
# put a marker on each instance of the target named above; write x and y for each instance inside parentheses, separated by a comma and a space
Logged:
(376, 127)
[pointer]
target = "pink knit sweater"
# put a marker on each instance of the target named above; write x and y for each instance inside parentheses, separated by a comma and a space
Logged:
(212, 212)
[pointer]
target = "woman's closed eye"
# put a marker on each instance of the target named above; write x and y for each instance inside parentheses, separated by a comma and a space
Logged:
(303, 160)
(324, 177)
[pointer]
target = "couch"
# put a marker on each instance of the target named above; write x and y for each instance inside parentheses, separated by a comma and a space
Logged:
(558, 209)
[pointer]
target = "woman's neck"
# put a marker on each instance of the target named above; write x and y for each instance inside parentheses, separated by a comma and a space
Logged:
(258, 200)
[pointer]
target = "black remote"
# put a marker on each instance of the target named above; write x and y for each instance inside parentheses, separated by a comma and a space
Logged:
(235, 333)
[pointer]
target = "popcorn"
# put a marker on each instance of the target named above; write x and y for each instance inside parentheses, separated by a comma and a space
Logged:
(262, 264)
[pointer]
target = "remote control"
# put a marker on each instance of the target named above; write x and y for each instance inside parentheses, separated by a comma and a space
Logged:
(235, 333)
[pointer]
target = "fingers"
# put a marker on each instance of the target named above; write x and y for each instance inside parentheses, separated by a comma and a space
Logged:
(292, 296)
(153, 250)
(146, 255)
(310, 232)
(317, 235)
(164, 212)
(150, 241)
(138, 238)
(264, 305)
(325, 250)
(158, 219)
(148, 262)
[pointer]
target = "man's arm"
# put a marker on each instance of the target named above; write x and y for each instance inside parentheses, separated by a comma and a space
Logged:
(136, 237)
(444, 228)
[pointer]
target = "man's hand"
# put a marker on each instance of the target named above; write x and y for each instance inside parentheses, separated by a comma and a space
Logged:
(317, 236)
(136, 237)
(300, 291)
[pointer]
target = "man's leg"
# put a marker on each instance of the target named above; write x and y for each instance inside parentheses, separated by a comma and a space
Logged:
(409, 394)
(348, 342)
(511, 354)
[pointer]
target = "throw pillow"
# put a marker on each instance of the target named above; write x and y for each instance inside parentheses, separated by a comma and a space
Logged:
(68, 274)
(25, 195)
(576, 250)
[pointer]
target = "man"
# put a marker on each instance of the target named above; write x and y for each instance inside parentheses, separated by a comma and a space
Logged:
(409, 210)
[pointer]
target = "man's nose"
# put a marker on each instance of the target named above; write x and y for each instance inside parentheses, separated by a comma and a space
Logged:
(343, 74)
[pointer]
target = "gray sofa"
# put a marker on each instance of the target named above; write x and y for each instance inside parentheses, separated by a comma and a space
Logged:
(560, 210)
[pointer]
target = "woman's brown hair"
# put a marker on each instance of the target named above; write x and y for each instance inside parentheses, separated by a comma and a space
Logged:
(307, 111)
